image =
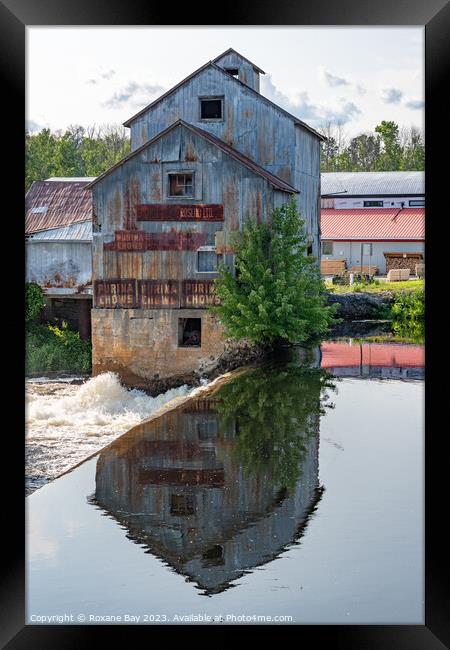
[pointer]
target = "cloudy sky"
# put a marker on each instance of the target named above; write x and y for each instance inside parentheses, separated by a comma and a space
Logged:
(358, 76)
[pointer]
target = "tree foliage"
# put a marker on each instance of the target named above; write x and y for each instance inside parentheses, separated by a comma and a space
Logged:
(34, 301)
(74, 152)
(388, 148)
(276, 293)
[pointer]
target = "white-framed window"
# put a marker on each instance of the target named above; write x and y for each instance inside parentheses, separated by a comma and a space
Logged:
(211, 108)
(207, 259)
(327, 248)
(181, 184)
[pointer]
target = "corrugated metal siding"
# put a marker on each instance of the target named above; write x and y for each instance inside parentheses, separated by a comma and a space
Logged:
(51, 204)
(76, 232)
(220, 179)
(369, 183)
(373, 224)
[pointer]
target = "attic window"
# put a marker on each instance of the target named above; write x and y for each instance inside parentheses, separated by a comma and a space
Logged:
(233, 71)
(181, 184)
(211, 108)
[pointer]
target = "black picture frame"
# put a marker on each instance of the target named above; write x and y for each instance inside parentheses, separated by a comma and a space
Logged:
(15, 15)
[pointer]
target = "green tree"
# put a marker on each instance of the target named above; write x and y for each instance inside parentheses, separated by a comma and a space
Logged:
(363, 152)
(34, 301)
(276, 294)
(391, 152)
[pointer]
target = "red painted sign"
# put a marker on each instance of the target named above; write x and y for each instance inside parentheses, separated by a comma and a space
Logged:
(109, 294)
(198, 294)
(139, 241)
(179, 212)
(158, 294)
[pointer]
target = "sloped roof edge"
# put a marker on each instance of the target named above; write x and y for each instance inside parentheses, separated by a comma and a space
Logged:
(230, 151)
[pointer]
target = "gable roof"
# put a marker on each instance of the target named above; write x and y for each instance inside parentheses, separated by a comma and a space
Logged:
(296, 120)
(52, 204)
(278, 183)
(232, 51)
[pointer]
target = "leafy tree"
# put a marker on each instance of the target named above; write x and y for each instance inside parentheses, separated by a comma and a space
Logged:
(363, 152)
(34, 301)
(391, 154)
(277, 294)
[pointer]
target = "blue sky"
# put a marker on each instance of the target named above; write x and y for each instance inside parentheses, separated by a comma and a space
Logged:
(355, 75)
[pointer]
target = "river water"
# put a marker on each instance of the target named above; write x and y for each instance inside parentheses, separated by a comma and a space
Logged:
(294, 491)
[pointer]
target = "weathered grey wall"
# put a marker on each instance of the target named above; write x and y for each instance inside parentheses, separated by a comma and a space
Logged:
(63, 264)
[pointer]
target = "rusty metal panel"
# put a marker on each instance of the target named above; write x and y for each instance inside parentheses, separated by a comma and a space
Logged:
(137, 240)
(158, 294)
(179, 212)
(198, 294)
(51, 204)
(205, 405)
(109, 294)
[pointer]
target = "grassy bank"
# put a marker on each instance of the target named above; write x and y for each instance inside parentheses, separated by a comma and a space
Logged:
(51, 348)
(377, 287)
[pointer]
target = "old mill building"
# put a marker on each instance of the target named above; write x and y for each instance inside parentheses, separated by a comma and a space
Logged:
(206, 155)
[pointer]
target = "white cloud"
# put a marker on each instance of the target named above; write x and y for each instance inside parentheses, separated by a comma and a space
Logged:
(331, 79)
(134, 94)
(391, 95)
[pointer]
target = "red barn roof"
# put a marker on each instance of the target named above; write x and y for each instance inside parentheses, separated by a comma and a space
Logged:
(373, 223)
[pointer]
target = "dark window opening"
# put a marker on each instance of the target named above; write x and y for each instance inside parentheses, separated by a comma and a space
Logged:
(309, 250)
(327, 248)
(181, 505)
(181, 184)
(207, 429)
(211, 109)
(189, 332)
(233, 71)
(214, 556)
(373, 204)
(207, 261)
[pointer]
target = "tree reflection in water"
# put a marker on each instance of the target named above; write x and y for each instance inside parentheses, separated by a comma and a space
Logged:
(276, 409)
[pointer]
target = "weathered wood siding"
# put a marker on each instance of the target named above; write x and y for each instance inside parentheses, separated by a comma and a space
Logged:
(143, 180)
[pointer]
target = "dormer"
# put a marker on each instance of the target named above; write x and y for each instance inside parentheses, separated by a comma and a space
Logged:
(238, 66)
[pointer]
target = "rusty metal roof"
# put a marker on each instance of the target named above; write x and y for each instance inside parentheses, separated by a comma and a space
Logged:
(373, 224)
(295, 119)
(226, 148)
(52, 204)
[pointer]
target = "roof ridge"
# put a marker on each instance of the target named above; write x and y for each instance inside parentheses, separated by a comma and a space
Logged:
(228, 149)
(217, 67)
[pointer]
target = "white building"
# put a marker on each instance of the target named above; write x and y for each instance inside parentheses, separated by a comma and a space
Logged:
(372, 219)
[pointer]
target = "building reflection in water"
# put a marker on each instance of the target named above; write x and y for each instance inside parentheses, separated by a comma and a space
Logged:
(224, 483)
(382, 360)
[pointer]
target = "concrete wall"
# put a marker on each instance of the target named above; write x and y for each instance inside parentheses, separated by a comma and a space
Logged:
(351, 251)
(142, 345)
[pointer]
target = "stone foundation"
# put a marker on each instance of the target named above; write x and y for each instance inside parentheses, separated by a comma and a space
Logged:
(142, 347)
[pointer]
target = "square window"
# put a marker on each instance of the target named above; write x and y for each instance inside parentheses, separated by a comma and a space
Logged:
(211, 109)
(181, 184)
(234, 72)
(189, 332)
(327, 248)
(207, 429)
(181, 505)
(207, 261)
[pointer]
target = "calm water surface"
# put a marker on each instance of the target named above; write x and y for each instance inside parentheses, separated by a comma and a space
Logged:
(292, 491)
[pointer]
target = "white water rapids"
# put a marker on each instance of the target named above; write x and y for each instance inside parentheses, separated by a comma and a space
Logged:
(67, 422)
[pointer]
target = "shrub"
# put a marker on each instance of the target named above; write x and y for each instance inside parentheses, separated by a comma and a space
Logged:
(52, 348)
(34, 301)
(277, 293)
(408, 313)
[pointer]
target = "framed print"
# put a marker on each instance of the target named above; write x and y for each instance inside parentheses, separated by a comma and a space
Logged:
(206, 444)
